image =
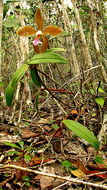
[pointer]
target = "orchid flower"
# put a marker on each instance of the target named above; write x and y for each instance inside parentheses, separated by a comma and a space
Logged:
(40, 43)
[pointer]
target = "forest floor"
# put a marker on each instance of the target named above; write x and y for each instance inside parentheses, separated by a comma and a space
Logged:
(42, 143)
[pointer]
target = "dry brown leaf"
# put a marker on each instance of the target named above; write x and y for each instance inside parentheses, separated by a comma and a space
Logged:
(32, 188)
(46, 182)
(27, 133)
(57, 182)
(43, 121)
(6, 137)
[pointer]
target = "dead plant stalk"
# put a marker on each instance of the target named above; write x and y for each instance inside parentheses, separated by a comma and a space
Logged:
(73, 180)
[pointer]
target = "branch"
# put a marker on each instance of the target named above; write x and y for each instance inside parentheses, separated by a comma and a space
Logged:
(73, 180)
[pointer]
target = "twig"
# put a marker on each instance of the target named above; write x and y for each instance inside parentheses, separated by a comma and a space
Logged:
(53, 96)
(48, 77)
(63, 184)
(69, 81)
(60, 107)
(72, 79)
(73, 180)
(97, 173)
(1, 157)
(42, 105)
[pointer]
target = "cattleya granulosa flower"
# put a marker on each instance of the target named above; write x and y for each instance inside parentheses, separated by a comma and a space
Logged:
(40, 42)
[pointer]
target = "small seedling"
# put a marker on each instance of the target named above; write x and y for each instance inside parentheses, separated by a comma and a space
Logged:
(20, 152)
(26, 180)
(99, 159)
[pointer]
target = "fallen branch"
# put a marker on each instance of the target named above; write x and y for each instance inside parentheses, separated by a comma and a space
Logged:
(73, 180)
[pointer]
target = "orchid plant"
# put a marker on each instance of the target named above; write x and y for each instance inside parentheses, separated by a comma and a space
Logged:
(43, 54)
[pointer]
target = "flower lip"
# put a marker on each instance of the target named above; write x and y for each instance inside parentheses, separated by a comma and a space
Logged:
(36, 41)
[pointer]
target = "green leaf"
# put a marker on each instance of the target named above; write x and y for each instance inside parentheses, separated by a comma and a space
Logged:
(6, 175)
(30, 109)
(27, 11)
(27, 123)
(27, 183)
(66, 164)
(47, 55)
(21, 143)
(19, 74)
(37, 101)
(9, 94)
(74, 25)
(12, 145)
(82, 132)
(55, 50)
(27, 158)
(104, 26)
(92, 91)
(11, 22)
(47, 58)
(11, 87)
(16, 158)
(5, 9)
(46, 61)
(99, 159)
(1, 84)
(26, 178)
(35, 77)
(55, 126)
(101, 90)
(13, 152)
(100, 101)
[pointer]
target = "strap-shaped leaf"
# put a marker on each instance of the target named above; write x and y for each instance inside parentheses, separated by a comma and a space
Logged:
(11, 87)
(39, 61)
(47, 58)
(35, 77)
(19, 74)
(55, 50)
(12, 145)
(48, 55)
(82, 132)
(9, 94)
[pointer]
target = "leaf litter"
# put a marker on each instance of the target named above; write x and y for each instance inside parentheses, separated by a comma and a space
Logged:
(48, 143)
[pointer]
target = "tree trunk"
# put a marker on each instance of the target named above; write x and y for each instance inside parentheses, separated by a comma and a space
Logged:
(86, 54)
(25, 95)
(95, 38)
(72, 52)
(1, 19)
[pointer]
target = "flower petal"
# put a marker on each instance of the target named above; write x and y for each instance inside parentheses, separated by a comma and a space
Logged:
(26, 31)
(52, 30)
(36, 49)
(39, 19)
(45, 44)
(36, 42)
